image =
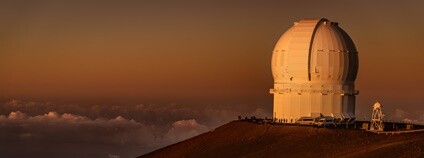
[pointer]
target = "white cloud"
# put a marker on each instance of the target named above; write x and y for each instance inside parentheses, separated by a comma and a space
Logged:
(407, 120)
(70, 127)
(55, 127)
(260, 113)
(184, 129)
(400, 114)
(17, 115)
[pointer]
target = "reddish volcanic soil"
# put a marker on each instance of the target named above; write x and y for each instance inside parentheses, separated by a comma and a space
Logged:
(245, 139)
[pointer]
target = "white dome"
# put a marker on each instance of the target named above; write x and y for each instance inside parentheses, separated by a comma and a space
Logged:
(315, 50)
(314, 65)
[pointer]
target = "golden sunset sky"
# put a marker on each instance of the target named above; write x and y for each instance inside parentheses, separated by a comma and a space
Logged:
(195, 52)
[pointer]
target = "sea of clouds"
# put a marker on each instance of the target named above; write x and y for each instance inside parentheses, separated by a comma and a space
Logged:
(46, 129)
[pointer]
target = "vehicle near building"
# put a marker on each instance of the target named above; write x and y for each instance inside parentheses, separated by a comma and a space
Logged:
(305, 121)
(325, 122)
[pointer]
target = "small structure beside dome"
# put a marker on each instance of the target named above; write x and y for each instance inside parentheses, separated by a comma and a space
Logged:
(377, 118)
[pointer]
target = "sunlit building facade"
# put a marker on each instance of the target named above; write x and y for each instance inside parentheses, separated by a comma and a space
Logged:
(314, 66)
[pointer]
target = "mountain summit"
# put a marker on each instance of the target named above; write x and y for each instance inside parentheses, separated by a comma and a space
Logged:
(246, 139)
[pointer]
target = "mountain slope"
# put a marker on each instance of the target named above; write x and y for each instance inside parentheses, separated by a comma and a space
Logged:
(245, 139)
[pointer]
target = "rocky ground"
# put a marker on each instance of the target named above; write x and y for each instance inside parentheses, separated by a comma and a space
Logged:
(246, 139)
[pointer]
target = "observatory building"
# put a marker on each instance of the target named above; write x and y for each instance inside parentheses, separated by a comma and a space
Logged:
(314, 66)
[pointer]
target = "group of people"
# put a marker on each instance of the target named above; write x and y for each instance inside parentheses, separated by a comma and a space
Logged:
(283, 120)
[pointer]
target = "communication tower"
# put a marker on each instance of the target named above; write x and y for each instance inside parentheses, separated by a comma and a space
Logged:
(377, 118)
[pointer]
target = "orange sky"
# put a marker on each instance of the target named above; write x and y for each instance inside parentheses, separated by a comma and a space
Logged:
(195, 52)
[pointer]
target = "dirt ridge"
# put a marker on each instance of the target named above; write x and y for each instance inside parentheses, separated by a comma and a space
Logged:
(246, 139)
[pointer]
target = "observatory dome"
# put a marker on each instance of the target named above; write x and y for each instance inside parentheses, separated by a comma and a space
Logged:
(314, 66)
(314, 50)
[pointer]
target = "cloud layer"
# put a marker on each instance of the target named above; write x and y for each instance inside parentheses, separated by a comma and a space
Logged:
(41, 129)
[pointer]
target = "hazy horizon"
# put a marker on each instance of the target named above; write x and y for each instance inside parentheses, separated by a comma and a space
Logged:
(178, 69)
